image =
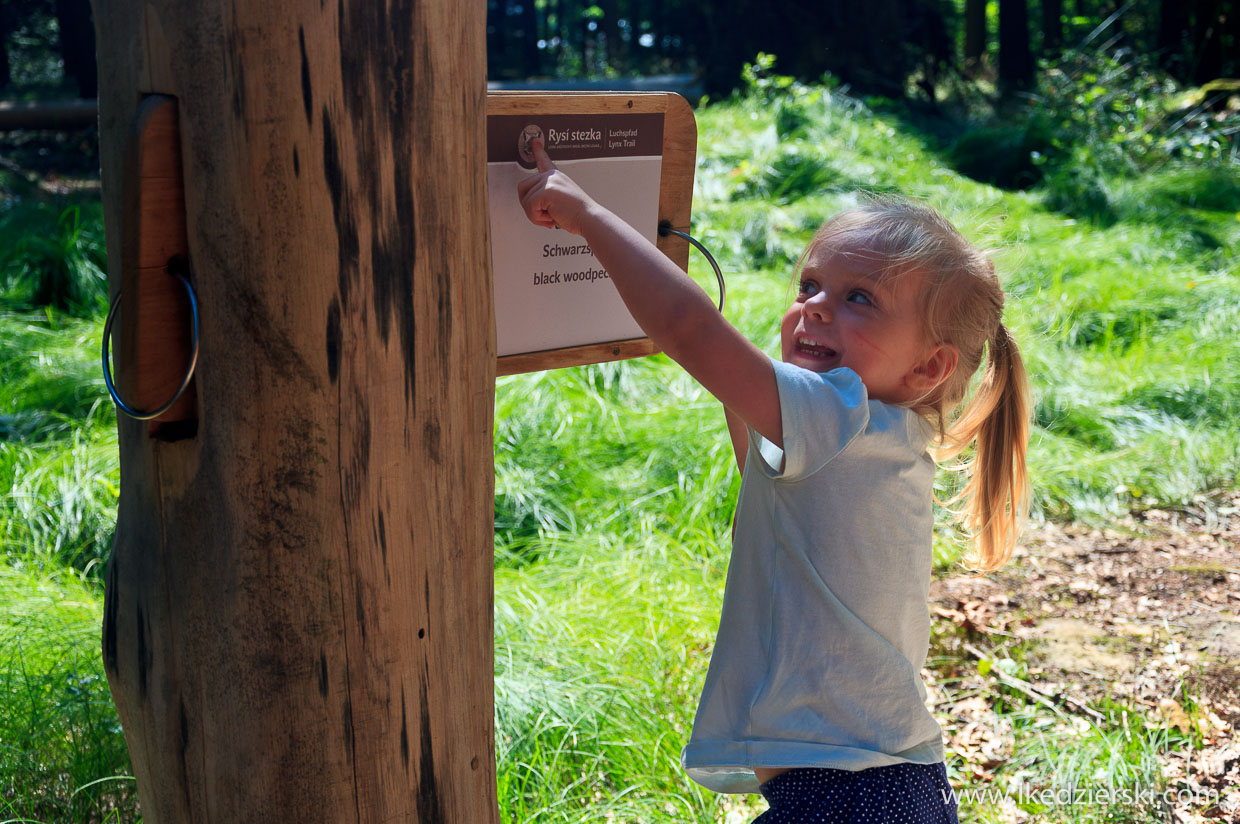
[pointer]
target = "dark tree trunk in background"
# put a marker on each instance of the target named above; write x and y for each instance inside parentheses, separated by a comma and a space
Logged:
(608, 34)
(495, 38)
(6, 74)
(562, 28)
(8, 22)
(1207, 42)
(1115, 32)
(1231, 35)
(661, 18)
(1052, 27)
(77, 45)
(531, 58)
(1015, 57)
(1172, 35)
(974, 33)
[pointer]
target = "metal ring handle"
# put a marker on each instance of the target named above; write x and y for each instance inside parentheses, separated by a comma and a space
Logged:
(665, 229)
(193, 358)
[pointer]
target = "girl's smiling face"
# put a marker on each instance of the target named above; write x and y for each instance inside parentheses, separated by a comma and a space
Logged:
(848, 313)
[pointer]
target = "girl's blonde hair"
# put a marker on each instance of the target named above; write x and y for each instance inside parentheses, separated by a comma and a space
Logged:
(964, 308)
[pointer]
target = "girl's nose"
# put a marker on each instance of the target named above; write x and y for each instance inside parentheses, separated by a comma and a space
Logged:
(819, 307)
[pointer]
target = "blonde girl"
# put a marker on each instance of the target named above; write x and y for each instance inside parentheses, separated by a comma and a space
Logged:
(814, 695)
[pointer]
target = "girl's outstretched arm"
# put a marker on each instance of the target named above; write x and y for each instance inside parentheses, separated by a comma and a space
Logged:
(669, 307)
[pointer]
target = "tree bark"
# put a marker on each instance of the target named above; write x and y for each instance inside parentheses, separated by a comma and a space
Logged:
(1015, 57)
(298, 617)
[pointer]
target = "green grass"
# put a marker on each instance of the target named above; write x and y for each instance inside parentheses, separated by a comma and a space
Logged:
(58, 453)
(62, 756)
(615, 483)
(52, 253)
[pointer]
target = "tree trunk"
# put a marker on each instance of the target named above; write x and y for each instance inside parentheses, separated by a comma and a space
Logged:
(1052, 27)
(974, 33)
(1015, 57)
(298, 617)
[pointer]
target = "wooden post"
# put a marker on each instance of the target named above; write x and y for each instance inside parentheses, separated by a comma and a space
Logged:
(298, 616)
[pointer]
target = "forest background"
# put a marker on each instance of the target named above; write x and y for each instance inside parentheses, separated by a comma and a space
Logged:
(1093, 145)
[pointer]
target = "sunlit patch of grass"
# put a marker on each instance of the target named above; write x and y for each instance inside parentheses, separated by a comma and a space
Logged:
(50, 378)
(59, 504)
(59, 479)
(599, 653)
(62, 754)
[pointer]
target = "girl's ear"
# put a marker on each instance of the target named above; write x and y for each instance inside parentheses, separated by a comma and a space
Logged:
(937, 366)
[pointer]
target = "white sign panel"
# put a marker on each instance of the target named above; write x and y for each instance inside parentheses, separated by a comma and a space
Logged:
(550, 291)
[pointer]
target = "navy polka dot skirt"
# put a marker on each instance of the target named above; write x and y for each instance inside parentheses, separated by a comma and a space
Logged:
(893, 794)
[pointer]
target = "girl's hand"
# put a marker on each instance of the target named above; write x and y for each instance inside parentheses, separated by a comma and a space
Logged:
(551, 199)
(670, 308)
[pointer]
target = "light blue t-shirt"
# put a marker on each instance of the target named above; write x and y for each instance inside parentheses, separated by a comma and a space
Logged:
(825, 623)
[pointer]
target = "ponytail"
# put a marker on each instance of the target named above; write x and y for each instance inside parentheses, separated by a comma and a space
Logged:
(996, 494)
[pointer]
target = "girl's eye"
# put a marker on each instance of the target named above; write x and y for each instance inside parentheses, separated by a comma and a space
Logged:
(857, 296)
(807, 289)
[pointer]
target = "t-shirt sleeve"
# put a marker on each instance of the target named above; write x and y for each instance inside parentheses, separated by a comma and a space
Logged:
(821, 414)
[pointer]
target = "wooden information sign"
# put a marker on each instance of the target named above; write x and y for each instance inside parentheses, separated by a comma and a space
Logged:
(634, 153)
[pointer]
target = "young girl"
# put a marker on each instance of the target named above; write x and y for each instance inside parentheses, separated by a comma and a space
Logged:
(814, 695)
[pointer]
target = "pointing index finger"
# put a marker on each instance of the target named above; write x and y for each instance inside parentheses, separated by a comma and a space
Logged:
(540, 155)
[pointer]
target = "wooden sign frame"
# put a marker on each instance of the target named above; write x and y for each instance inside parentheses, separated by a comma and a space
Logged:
(679, 157)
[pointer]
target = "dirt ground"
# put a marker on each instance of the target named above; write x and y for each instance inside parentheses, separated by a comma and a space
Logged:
(1143, 614)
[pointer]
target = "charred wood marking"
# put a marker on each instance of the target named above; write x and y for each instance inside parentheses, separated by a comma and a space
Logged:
(322, 673)
(429, 806)
(306, 97)
(347, 717)
(380, 48)
(387, 574)
(333, 340)
(143, 653)
(346, 223)
(182, 748)
(296, 163)
(404, 731)
(431, 437)
(109, 615)
(269, 335)
(355, 451)
(382, 536)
